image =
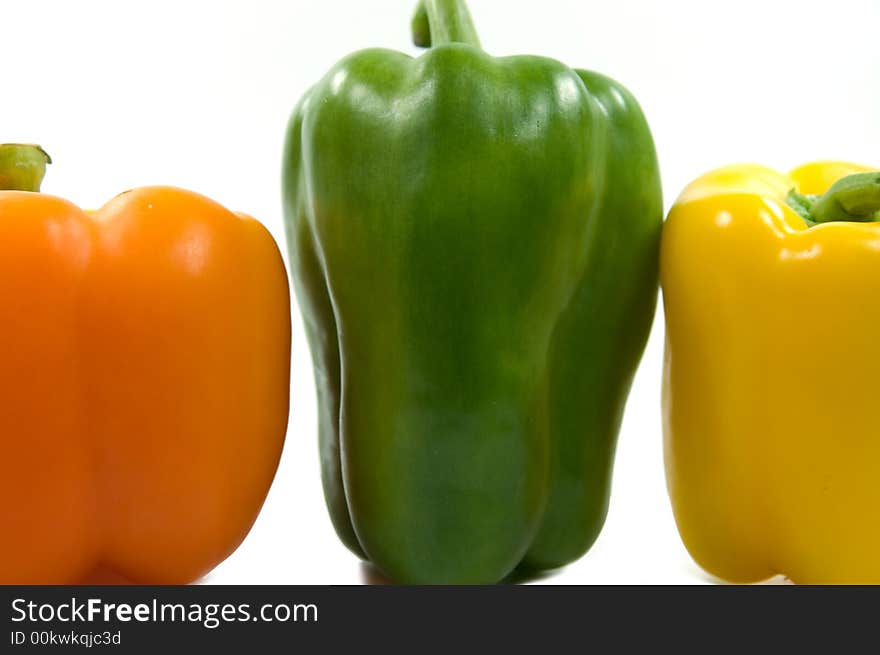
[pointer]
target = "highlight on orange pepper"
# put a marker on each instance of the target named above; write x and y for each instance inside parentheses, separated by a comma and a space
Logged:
(144, 380)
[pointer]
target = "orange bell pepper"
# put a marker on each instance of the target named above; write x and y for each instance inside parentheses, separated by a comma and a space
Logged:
(144, 368)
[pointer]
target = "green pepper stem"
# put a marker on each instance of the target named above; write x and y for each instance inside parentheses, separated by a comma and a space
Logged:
(852, 198)
(22, 166)
(438, 22)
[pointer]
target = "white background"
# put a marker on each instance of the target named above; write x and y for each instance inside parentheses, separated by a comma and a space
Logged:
(197, 94)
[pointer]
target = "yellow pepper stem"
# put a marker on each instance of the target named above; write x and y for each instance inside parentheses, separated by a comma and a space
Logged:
(852, 198)
(22, 166)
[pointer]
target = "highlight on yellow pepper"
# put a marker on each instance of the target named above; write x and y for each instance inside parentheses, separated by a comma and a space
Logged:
(771, 409)
(144, 367)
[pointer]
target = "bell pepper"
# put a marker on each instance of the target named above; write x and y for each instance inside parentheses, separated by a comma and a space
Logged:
(474, 244)
(144, 366)
(772, 434)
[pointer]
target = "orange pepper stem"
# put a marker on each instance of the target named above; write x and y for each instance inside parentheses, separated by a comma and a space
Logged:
(22, 166)
(852, 198)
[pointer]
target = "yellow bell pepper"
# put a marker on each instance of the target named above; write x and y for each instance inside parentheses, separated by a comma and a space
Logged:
(771, 405)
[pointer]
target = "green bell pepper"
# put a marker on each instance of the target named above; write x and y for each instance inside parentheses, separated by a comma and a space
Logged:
(474, 246)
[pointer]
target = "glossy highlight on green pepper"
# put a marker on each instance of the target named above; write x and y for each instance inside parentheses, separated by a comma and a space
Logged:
(474, 246)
